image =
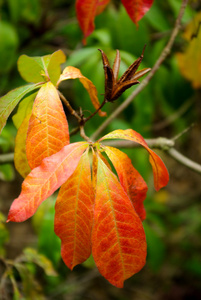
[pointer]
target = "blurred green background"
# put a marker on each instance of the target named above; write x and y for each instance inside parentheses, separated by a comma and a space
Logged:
(30, 263)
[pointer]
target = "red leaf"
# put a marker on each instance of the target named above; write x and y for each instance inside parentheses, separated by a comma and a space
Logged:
(44, 180)
(136, 9)
(74, 214)
(48, 127)
(118, 239)
(161, 176)
(132, 182)
(86, 12)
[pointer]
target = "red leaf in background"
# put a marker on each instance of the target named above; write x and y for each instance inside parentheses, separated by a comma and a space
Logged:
(130, 179)
(161, 176)
(86, 12)
(44, 180)
(88, 9)
(118, 238)
(136, 9)
(74, 214)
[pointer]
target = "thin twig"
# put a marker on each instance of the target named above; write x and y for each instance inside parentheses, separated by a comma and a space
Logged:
(144, 83)
(95, 112)
(69, 107)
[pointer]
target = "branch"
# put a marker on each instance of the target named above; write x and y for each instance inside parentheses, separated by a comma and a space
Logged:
(184, 160)
(144, 83)
(164, 144)
(6, 158)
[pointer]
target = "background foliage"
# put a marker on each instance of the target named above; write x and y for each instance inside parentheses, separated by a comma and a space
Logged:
(167, 106)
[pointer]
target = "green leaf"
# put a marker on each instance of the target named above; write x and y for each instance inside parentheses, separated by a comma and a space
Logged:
(24, 109)
(11, 99)
(32, 69)
(54, 69)
(37, 69)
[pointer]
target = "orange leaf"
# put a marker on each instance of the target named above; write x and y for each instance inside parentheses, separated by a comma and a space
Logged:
(132, 182)
(48, 127)
(86, 12)
(161, 176)
(44, 180)
(118, 238)
(136, 9)
(20, 157)
(74, 214)
(73, 73)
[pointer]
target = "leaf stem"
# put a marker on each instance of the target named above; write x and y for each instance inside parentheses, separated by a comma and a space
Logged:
(144, 83)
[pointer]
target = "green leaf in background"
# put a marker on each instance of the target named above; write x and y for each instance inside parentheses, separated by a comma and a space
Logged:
(7, 172)
(4, 234)
(24, 109)
(8, 46)
(156, 248)
(11, 99)
(28, 10)
(43, 221)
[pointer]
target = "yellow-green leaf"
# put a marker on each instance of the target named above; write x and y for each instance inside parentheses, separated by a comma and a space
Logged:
(20, 157)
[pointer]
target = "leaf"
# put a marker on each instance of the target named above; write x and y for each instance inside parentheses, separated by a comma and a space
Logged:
(48, 127)
(118, 239)
(161, 176)
(32, 69)
(24, 108)
(41, 68)
(136, 9)
(190, 60)
(54, 69)
(86, 12)
(132, 182)
(74, 214)
(11, 99)
(44, 180)
(20, 157)
(73, 73)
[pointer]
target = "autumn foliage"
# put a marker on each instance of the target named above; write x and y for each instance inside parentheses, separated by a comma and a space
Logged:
(87, 11)
(99, 208)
